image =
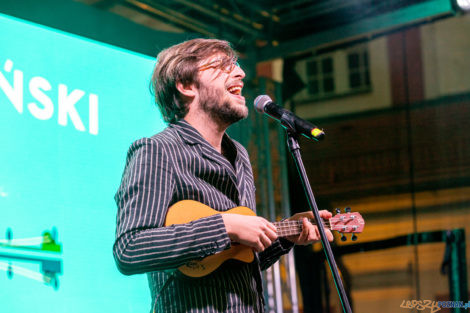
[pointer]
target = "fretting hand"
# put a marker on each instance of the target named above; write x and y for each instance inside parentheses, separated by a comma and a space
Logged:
(310, 233)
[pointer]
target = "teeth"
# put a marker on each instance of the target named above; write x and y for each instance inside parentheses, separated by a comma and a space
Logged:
(235, 89)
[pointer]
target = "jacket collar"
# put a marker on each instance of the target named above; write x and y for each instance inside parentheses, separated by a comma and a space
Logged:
(191, 136)
(188, 133)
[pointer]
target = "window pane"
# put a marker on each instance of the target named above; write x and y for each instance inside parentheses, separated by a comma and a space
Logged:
(353, 60)
(354, 80)
(328, 84)
(312, 87)
(327, 65)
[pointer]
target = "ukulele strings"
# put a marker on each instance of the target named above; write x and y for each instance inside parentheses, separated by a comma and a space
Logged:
(298, 223)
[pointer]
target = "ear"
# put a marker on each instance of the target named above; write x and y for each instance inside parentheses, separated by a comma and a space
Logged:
(188, 91)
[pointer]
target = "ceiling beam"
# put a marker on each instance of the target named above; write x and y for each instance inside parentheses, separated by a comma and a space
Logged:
(222, 18)
(369, 27)
(174, 17)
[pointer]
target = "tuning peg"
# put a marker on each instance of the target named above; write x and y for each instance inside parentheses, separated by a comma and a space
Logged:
(343, 237)
(338, 211)
(353, 237)
(347, 209)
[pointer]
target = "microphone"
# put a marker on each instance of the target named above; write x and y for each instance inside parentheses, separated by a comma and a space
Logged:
(291, 122)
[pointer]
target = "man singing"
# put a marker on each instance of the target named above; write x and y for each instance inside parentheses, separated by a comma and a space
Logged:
(198, 88)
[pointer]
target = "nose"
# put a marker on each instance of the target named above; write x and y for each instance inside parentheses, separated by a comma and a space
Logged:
(238, 72)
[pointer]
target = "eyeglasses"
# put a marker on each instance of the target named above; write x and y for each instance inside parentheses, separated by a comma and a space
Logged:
(225, 65)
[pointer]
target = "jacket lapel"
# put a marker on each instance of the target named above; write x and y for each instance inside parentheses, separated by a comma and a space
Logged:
(192, 137)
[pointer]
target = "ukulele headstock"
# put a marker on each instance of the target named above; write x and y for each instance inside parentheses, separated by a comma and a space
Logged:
(348, 222)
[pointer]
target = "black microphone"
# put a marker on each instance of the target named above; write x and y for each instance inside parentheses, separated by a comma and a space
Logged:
(291, 122)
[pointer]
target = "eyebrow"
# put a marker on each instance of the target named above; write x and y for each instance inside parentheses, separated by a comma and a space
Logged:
(208, 65)
(222, 61)
(212, 61)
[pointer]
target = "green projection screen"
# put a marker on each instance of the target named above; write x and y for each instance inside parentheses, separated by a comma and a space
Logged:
(69, 109)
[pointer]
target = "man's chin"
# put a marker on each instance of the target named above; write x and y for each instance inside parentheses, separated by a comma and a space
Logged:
(240, 111)
(229, 111)
(244, 112)
(234, 115)
(239, 103)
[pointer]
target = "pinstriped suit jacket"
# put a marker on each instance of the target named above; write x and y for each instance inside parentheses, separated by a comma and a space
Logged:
(174, 165)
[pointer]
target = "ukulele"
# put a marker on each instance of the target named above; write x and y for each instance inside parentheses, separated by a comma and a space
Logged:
(186, 211)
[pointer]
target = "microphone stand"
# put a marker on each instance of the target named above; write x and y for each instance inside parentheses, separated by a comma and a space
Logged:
(293, 144)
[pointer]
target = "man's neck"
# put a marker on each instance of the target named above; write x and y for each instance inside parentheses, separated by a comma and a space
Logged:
(209, 129)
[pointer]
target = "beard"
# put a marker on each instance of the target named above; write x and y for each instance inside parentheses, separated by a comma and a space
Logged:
(220, 108)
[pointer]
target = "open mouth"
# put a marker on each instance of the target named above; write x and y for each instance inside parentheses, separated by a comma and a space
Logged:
(235, 90)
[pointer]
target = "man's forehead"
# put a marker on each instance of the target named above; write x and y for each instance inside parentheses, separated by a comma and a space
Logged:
(218, 56)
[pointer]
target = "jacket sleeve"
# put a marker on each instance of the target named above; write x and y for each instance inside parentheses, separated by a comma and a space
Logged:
(147, 188)
(272, 254)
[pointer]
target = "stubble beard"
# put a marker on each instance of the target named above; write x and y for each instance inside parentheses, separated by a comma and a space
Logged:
(219, 108)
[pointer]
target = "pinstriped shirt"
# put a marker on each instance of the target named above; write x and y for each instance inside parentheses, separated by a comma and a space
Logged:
(179, 164)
